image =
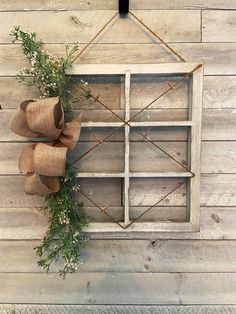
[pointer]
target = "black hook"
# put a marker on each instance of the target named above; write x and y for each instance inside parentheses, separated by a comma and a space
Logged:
(123, 6)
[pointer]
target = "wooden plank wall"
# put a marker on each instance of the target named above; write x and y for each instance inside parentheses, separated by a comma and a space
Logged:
(173, 269)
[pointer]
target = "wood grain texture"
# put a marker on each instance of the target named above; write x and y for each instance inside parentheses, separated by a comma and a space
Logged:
(110, 91)
(218, 26)
(163, 214)
(218, 58)
(119, 288)
(129, 309)
(218, 125)
(105, 192)
(94, 134)
(194, 148)
(218, 92)
(217, 157)
(108, 157)
(51, 5)
(216, 190)
(140, 256)
(21, 223)
(81, 26)
(29, 223)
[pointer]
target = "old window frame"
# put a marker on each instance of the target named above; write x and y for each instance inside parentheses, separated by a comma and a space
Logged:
(194, 151)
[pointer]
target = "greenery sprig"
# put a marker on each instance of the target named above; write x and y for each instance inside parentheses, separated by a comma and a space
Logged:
(67, 219)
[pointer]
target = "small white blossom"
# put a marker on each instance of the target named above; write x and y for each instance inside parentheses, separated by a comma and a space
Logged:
(71, 264)
(76, 188)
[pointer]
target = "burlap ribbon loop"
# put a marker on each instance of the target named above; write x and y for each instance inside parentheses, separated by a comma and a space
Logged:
(44, 159)
(43, 163)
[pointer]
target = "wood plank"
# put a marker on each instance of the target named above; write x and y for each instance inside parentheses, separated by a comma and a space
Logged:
(135, 69)
(129, 309)
(178, 174)
(147, 191)
(32, 223)
(138, 124)
(127, 149)
(93, 118)
(216, 223)
(111, 158)
(108, 157)
(58, 5)
(218, 58)
(194, 148)
(163, 214)
(119, 288)
(142, 256)
(48, 5)
(218, 26)
(218, 92)
(14, 92)
(217, 157)
(66, 26)
(22, 223)
(144, 89)
(161, 123)
(140, 227)
(105, 192)
(216, 190)
(100, 175)
(218, 124)
(12, 191)
(96, 134)
(107, 88)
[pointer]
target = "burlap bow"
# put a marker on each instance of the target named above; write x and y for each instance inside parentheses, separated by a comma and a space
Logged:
(43, 163)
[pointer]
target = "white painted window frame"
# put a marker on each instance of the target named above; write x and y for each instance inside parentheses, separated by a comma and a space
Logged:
(194, 123)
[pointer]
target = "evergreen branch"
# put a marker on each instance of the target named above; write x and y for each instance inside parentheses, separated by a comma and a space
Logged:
(67, 219)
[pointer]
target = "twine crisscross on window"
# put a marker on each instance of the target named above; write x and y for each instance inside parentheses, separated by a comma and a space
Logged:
(170, 87)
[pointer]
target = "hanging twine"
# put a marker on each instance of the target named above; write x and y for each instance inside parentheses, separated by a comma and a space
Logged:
(97, 34)
(142, 23)
(158, 37)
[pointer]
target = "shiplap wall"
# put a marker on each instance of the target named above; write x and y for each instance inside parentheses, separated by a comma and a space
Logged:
(168, 268)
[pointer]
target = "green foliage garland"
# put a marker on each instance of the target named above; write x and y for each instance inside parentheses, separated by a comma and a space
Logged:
(65, 235)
